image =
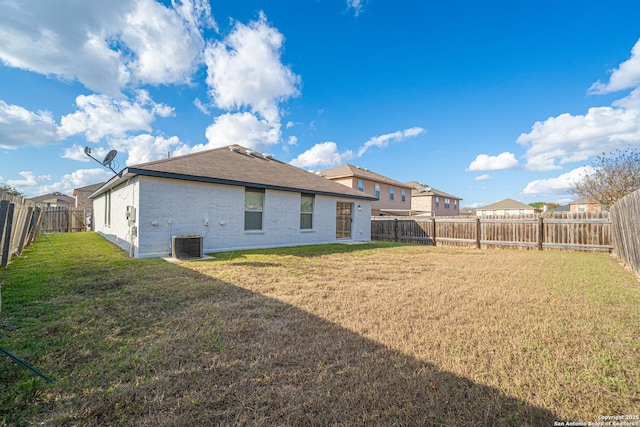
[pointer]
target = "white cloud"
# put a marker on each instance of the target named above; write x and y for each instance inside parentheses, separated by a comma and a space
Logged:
(484, 162)
(292, 140)
(244, 129)
(30, 180)
(556, 186)
(356, 5)
(321, 155)
(574, 138)
(383, 140)
(567, 138)
(200, 106)
(245, 70)
(104, 45)
(626, 76)
(151, 28)
(328, 154)
(99, 116)
(484, 177)
(146, 148)
(20, 127)
(41, 185)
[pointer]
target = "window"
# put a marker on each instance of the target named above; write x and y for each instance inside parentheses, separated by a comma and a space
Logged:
(306, 211)
(455, 204)
(521, 211)
(447, 203)
(107, 208)
(437, 201)
(361, 185)
(581, 208)
(392, 193)
(404, 195)
(377, 190)
(253, 207)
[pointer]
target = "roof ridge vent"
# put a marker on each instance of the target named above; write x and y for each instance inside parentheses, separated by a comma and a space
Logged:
(267, 156)
(234, 149)
(250, 152)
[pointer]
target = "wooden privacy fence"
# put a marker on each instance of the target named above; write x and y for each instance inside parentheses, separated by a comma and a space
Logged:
(625, 222)
(564, 231)
(64, 219)
(21, 221)
(19, 224)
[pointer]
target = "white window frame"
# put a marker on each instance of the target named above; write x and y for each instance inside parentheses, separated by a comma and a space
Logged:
(256, 210)
(305, 214)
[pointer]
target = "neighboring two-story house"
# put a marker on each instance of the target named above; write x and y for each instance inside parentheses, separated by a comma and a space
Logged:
(428, 201)
(53, 200)
(394, 197)
(585, 205)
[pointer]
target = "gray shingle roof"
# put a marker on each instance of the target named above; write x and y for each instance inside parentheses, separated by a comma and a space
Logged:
(419, 189)
(236, 165)
(347, 170)
(506, 204)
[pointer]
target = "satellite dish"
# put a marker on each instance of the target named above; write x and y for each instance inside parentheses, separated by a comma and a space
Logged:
(109, 157)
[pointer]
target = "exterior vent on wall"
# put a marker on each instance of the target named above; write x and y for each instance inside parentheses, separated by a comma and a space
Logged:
(186, 246)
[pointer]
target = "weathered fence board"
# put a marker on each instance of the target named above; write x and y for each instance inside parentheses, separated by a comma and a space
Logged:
(585, 232)
(21, 221)
(625, 220)
(16, 218)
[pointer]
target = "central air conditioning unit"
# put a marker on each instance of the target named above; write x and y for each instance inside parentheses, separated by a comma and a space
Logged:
(186, 246)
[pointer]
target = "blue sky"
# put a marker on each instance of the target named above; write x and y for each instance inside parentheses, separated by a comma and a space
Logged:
(481, 99)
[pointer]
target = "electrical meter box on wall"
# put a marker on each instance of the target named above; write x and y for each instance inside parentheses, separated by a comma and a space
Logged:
(131, 214)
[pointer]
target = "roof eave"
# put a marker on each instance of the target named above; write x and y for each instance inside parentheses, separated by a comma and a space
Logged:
(131, 172)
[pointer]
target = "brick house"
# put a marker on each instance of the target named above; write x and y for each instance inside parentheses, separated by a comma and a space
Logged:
(585, 205)
(393, 197)
(429, 201)
(232, 198)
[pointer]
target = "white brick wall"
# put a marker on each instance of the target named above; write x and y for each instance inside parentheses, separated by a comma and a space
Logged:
(166, 208)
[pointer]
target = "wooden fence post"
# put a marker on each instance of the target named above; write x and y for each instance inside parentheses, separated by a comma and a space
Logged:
(433, 220)
(478, 232)
(25, 230)
(540, 232)
(6, 224)
(395, 229)
(5, 236)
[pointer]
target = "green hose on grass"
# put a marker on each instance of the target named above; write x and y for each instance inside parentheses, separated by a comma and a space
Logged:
(26, 365)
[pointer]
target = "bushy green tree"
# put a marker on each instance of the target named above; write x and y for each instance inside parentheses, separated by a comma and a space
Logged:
(9, 189)
(540, 205)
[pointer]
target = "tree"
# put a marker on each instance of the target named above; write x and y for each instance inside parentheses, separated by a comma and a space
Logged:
(9, 189)
(541, 205)
(613, 176)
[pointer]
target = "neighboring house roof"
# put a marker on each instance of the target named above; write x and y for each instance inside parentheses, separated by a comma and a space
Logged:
(506, 204)
(54, 198)
(419, 190)
(236, 165)
(348, 171)
(88, 188)
(584, 201)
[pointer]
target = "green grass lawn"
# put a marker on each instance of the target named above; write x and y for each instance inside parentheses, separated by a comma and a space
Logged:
(375, 334)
